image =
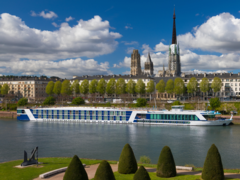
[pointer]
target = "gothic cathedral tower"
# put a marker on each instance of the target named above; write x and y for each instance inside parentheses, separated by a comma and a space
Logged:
(148, 69)
(174, 64)
(135, 63)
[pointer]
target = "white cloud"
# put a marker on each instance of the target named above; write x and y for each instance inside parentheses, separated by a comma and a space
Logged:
(88, 38)
(163, 40)
(55, 24)
(221, 33)
(66, 68)
(128, 27)
(161, 47)
(130, 50)
(197, 14)
(46, 15)
(69, 18)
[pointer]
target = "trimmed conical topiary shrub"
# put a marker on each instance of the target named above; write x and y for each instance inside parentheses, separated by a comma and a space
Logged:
(104, 172)
(213, 168)
(141, 174)
(166, 165)
(75, 170)
(127, 161)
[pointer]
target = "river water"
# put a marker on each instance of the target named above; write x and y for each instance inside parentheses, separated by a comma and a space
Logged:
(189, 144)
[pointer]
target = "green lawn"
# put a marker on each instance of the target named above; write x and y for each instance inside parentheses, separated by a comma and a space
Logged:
(9, 172)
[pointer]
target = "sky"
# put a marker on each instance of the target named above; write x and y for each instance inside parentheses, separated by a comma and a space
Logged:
(75, 38)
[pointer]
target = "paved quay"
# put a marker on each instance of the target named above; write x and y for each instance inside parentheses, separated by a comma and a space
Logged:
(91, 170)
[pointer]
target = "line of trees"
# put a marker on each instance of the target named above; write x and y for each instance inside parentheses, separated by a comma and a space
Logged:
(178, 87)
(102, 87)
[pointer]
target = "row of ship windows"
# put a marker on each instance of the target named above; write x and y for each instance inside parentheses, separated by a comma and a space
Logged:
(171, 122)
(174, 117)
(123, 118)
(55, 112)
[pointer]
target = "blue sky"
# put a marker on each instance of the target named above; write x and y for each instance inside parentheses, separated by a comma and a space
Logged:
(98, 36)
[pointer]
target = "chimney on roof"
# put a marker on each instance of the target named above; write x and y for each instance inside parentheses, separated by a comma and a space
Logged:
(239, 74)
(205, 74)
(230, 74)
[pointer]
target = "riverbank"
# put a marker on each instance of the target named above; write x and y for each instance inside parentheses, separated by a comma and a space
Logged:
(8, 171)
(8, 114)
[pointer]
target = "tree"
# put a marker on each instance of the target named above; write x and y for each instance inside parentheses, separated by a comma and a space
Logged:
(49, 101)
(215, 103)
(75, 87)
(192, 85)
(22, 102)
(57, 88)
(150, 86)
(204, 85)
(78, 101)
(75, 170)
(66, 88)
(120, 86)
(84, 87)
(111, 86)
(141, 174)
(104, 172)
(216, 84)
(160, 86)
(127, 161)
(101, 87)
(140, 87)
(49, 88)
(179, 86)
(0, 88)
(213, 168)
(4, 90)
(166, 165)
(141, 102)
(93, 86)
(130, 88)
(170, 86)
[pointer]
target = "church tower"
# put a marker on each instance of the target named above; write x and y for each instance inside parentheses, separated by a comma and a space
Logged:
(148, 69)
(174, 64)
(135, 63)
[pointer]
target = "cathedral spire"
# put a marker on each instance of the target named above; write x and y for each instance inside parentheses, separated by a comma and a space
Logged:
(174, 36)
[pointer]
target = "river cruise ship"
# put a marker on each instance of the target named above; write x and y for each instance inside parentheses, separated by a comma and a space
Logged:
(176, 116)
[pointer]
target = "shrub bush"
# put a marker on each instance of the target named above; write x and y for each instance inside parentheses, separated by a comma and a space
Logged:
(141, 174)
(78, 101)
(75, 170)
(12, 106)
(215, 103)
(22, 102)
(108, 104)
(166, 165)
(141, 102)
(145, 160)
(49, 101)
(213, 168)
(188, 106)
(104, 172)
(176, 103)
(127, 161)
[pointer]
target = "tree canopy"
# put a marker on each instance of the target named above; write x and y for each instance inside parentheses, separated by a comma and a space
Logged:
(93, 86)
(130, 88)
(84, 87)
(101, 87)
(160, 86)
(49, 88)
(57, 88)
(150, 86)
(75, 87)
(78, 101)
(111, 86)
(22, 102)
(140, 87)
(204, 85)
(120, 86)
(49, 101)
(170, 86)
(4, 90)
(192, 85)
(179, 86)
(215, 103)
(66, 88)
(216, 84)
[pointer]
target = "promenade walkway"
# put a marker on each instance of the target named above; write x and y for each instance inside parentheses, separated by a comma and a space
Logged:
(91, 170)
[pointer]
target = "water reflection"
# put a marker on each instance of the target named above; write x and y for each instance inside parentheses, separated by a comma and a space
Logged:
(189, 144)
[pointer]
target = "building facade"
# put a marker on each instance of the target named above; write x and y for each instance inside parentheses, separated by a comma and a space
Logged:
(136, 63)
(28, 87)
(148, 68)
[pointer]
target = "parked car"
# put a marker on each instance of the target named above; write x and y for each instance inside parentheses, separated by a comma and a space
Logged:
(134, 101)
